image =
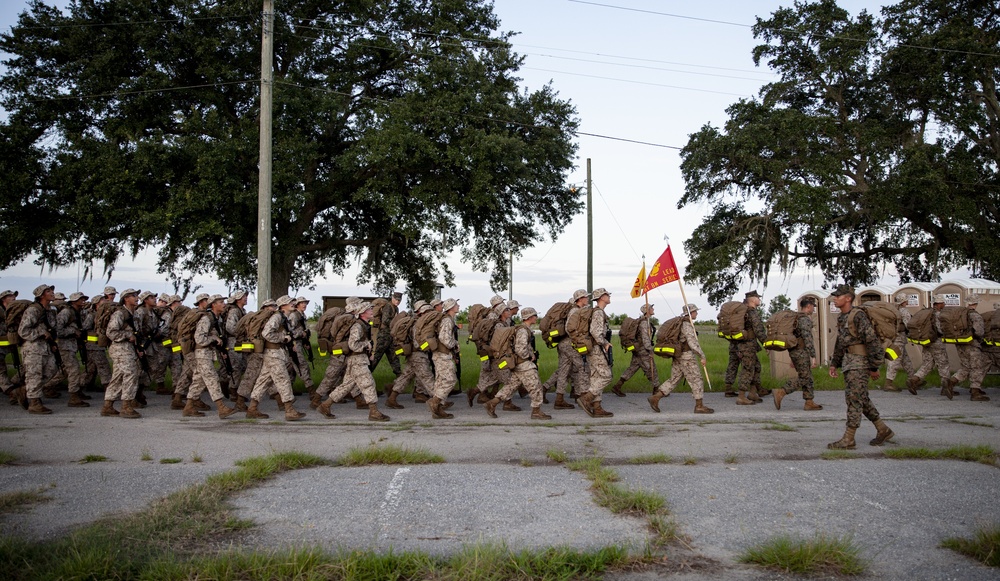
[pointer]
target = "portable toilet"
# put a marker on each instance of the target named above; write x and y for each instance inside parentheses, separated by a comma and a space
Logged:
(874, 293)
(955, 291)
(781, 363)
(918, 297)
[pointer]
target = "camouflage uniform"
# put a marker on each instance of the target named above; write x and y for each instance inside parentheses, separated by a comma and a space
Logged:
(571, 365)
(488, 373)
(383, 339)
(5, 348)
(525, 373)
(146, 324)
(274, 369)
(600, 371)
(992, 352)
(642, 355)
(299, 332)
(158, 354)
(97, 356)
(357, 374)
(857, 356)
(749, 376)
(410, 371)
(36, 355)
(444, 363)
(206, 337)
(68, 323)
(686, 366)
(732, 369)
(232, 315)
(934, 354)
(903, 362)
(974, 364)
(125, 379)
(802, 356)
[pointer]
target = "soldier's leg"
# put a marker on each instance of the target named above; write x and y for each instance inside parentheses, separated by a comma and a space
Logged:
(732, 368)
(676, 375)
(633, 366)
(965, 364)
(333, 375)
(394, 362)
(979, 364)
(941, 360)
(801, 371)
(648, 366)
(693, 375)
(445, 378)
(600, 375)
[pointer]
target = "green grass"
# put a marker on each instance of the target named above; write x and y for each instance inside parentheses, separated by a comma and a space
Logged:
(21, 500)
(527, 463)
(146, 456)
(557, 456)
(7, 457)
(984, 546)
(690, 460)
(981, 454)
(819, 555)
(389, 454)
(838, 455)
(732, 458)
(656, 458)
(621, 500)
(170, 460)
(10, 429)
(779, 427)
(93, 458)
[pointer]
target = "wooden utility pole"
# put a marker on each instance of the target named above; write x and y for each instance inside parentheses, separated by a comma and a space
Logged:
(264, 186)
(590, 232)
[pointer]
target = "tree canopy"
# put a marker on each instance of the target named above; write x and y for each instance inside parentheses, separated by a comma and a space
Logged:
(400, 136)
(878, 144)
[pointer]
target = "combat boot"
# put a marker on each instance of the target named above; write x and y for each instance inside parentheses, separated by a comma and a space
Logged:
(701, 408)
(890, 385)
(200, 405)
(291, 414)
(911, 384)
(315, 399)
(140, 399)
(391, 402)
(75, 401)
(845, 443)
(586, 401)
(617, 388)
(437, 411)
(241, 403)
(753, 396)
(83, 395)
(538, 414)
(742, 399)
(483, 397)
(128, 410)
(654, 401)
(359, 402)
(420, 397)
(508, 406)
(374, 415)
(255, 414)
(562, 404)
(883, 434)
(190, 411)
(811, 406)
(224, 410)
(948, 386)
(763, 391)
(35, 407)
(471, 395)
(447, 404)
(978, 395)
(600, 412)
(730, 392)
(491, 407)
(50, 393)
(779, 394)
(20, 395)
(109, 410)
(161, 389)
(177, 403)
(324, 409)
(545, 395)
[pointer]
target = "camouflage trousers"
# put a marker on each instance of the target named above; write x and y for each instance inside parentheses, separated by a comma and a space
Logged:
(182, 381)
(600, 372)
(641, 359)
(71, 368)
(488, 378)
(571, 366)
(523, 375)
(356, 376)
(239, 362)
(254, 362)
(333, 376)
(856, 394)
(205, 375)
(97, 365)
(302, 369)
(933, 355)
(733, 367)
(125, 378)
(421, 363)
(383, 346)
(992, 356)
(974, 365)
(445, 378)
(749, 377)
(685, 367)
(892, 366)
(5, 382)
(176, 367)
(273, 376)
(410, 374)
(158, 357)
(803, 375)
(39, 367)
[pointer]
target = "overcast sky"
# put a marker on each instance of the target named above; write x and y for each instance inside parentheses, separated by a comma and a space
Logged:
(651, 71)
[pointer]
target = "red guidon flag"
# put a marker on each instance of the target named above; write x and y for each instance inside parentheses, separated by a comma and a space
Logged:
(664, 271)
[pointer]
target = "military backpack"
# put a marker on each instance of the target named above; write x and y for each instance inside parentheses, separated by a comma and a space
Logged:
(578, 329)
(15, 312)
(255, 330)
(399, 332)
(425, 332)
(482, 336)
(628, 334)
(476, 314)
(885, 322)
(502, 348)
(668, 338)
(920, 330)
(553, 324)
(340, 331)
(187, 327)
(378, 307)
(991, 329)
(782, 330)
(732, 322)
(324, 325)
(956, 327)
(101, 319)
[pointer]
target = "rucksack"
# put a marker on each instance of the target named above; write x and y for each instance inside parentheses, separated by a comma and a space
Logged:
(323, 326)
(885, 320)
(425, 331)
(991, 329)
(476, 314)
(553, 324)
(339, 332)
(175, 324)
(187, 328)
(255, 329)
(101, 320)
(920, 330)
(242, 335)
(578, 329)
(781, 330)
(15, 312)
(628, 334)
(399, 332)
(956, 327)
(502, 347)
(732, 321)
(668, 338)
(377, 306)
(482, 336)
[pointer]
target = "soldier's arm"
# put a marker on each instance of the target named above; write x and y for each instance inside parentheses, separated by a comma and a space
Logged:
(521, 347)
(806, 333)
(274, 330)
(446, 333)
(689, 335)
(597, 329)
(873, 347)
(645, 336)
(757, 324)
(203, 333)
(357, 342)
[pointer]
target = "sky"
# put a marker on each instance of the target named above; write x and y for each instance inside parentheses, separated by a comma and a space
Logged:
(650, 71)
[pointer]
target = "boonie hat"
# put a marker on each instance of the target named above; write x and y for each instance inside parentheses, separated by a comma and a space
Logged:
(972, 300)
(449, 305)
(129, 291)
(938, 299)
(201, 297)
(110, 290)
(579, 294)
(513, 304)
(283, 300)
(58, 297)
(7, 293)
(417, 305)
(145, 295)
(302, 300)
(689, 308)
(435, 302)
(215, 298)
(268, 303)
(496, 300)
(77, 296)
(423, 309)
(900, 298)
(527, 313)
(237, 296)
(644, 308)
(40, 289)
(600, 292)
(164, 297)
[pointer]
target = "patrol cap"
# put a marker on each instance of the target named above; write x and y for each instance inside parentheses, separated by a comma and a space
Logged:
(844, 289)
(527, 313)
(236, 296)
(496, 300)
(110, 290)
(938, 299)
(40, 289)
(77, 297)
(398, 296)
(283, 300)
(753, 293)
(145, 295)
(600, 292)
(268, 303)
(689, 308)
(215, 298)
(7, 293)
(58, 297)
(972, 300)
(579, 294)
(900, 298)
(129, 291)
(201, 297)
(164, 297)
(449, 305)
(807, 301)
(644, 308)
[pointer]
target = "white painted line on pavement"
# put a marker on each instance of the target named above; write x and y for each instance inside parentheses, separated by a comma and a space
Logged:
(389, 503)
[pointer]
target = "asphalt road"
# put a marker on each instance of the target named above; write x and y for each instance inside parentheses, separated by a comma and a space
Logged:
(736, 477)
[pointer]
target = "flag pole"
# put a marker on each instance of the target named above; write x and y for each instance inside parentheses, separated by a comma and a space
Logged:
(704, 368)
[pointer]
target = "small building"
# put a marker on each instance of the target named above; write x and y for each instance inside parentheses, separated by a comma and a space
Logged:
(880, 292)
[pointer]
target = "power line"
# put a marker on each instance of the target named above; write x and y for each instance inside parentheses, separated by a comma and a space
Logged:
(635, 82)
(629, 9)
(648, 68)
